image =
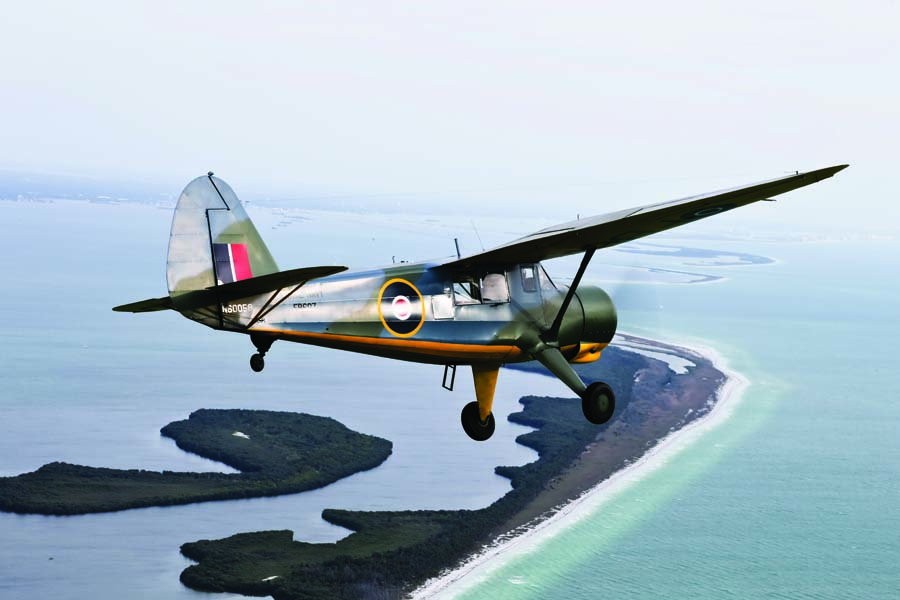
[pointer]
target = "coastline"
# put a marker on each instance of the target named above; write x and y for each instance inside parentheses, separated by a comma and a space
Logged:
(393, 553)
(527, 537)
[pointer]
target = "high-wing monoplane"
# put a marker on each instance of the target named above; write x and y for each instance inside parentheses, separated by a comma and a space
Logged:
(483, 310)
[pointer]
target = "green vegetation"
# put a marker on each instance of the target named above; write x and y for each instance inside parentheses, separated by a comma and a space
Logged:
(389, 552)
(389, 549)
(278, 453)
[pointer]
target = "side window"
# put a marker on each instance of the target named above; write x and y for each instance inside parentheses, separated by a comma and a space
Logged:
(529, 279)
(546, 282)
(442, 305)
(466, 291)
(494, 288)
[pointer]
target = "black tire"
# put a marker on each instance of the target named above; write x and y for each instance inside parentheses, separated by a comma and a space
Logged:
(472, 424)
(598, 403)
(257, 362)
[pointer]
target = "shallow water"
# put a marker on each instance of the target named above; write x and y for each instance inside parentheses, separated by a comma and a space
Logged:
(802, 478)
(795, 495)
(83, 384)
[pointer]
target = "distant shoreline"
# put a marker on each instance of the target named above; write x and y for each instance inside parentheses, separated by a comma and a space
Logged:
(525, 537)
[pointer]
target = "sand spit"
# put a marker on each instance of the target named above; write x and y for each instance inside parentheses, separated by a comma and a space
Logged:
(526, 539)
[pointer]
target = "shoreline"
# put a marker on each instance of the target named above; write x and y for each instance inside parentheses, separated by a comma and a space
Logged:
(396, 552)
(524, 539)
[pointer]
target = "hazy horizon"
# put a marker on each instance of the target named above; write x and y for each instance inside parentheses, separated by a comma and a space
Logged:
(573, 109)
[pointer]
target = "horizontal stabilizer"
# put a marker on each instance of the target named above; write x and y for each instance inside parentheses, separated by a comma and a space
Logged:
(228, 292)
(149, 305)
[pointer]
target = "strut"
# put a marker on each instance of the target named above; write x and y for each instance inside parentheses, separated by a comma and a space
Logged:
(552, 334)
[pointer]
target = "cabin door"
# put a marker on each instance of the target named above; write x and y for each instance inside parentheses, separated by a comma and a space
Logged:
(525, 291)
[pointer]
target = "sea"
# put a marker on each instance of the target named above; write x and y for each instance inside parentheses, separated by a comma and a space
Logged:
(795, 495)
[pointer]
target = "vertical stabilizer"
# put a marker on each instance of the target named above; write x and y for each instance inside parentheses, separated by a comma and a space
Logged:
(212, 242)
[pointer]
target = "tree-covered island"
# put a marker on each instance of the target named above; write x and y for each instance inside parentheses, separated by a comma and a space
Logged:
(391, 553)
(276, 452)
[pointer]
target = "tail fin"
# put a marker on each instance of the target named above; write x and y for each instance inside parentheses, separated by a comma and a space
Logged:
(216, 258)
(212, 242)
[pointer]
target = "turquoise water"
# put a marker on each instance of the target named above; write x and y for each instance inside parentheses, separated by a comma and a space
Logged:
(797, 494)
(82, 384)
(794, 496)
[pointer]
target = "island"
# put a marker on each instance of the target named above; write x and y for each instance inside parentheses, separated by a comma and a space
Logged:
(276, 452)
(390, 554)
(716, 258)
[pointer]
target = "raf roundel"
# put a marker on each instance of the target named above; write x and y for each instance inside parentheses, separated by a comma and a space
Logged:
(706, 212)
(400, 307)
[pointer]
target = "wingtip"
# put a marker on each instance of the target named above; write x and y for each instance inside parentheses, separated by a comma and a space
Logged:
(148, 305)
(820, 174)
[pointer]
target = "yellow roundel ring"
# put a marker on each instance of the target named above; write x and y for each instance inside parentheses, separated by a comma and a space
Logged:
(401, 308)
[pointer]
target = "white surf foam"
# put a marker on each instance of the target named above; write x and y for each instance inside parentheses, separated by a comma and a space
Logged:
(503, 550)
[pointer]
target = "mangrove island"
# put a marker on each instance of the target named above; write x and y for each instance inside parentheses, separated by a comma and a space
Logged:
(276, 452)
(390, 553)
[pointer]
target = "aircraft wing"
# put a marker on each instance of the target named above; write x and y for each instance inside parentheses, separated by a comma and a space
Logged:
(626, 225)
(231, 291)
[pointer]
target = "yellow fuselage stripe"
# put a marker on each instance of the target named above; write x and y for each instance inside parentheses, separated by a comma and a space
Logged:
(500, 353)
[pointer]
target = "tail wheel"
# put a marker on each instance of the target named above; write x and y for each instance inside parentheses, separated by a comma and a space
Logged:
(257, 362)
(472, 424)
(598, 403)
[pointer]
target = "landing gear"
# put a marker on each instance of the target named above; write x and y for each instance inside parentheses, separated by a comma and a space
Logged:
(598, 402)
(474, 427)
(262, 343)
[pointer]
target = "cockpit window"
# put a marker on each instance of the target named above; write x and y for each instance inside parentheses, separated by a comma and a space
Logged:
(494, 288)
(546, 282)
(529, 279)
(466, 292)
(491, 288)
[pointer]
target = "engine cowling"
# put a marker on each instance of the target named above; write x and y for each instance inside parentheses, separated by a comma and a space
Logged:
(599, 323)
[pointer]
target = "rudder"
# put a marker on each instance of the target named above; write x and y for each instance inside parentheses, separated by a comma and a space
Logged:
(212, 242)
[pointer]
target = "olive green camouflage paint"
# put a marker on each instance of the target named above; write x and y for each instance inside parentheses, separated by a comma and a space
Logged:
(484, 310)
(342, 311)
(409, 311)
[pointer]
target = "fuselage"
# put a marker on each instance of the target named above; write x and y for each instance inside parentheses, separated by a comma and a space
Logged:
(425, 313)
(485, 310)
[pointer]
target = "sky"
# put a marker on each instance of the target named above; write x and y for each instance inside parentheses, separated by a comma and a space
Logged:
(552, 108)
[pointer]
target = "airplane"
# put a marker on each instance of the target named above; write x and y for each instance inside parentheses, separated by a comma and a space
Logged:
(483, 310)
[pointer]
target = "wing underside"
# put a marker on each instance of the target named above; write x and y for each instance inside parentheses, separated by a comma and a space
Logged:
(623, 226)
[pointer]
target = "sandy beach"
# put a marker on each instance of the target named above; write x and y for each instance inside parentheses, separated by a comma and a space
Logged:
(527, 538)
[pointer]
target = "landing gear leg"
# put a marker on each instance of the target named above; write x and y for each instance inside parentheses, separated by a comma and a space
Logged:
(477, 418)
(598, 402)
(262, 343)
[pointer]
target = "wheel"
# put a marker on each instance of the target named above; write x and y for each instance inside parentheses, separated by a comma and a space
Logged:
(472, 424)
(598, 402)
(257, 362)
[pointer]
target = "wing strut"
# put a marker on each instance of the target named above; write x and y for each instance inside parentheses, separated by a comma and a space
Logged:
(552, 334)
(271, 305)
